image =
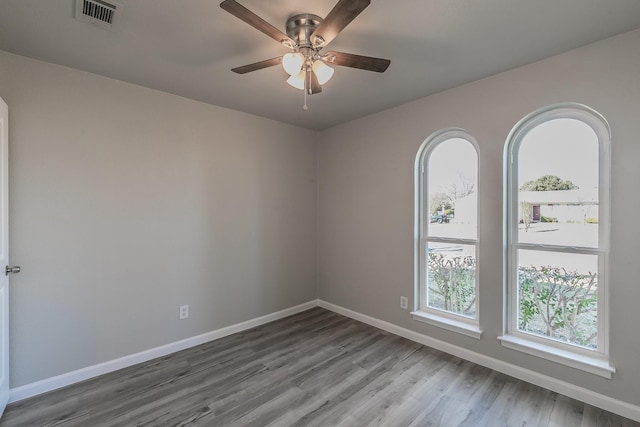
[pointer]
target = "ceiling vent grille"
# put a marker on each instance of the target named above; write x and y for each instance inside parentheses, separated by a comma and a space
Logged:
(98, 12)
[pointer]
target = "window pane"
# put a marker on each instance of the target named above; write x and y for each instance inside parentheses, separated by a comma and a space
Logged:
(558, 184)
(451, 278)
(452, 190)
(558, 296)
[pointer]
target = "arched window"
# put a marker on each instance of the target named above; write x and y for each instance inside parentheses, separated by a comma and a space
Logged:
(557, 236)
(447, 232)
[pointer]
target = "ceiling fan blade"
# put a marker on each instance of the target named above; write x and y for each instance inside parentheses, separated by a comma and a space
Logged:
(258, 65)
(340, 16)
(368, 63)
(241, 12)
(312, 86)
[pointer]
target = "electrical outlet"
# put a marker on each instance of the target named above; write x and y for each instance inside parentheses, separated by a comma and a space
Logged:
(184, 312)
(404, 302)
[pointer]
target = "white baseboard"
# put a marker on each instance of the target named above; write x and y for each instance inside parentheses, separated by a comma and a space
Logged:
(49, 384)
(607, 403)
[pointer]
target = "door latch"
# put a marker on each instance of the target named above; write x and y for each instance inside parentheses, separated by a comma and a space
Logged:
(14, 269)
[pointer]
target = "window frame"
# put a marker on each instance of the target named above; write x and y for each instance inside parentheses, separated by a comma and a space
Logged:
(594, 361)
(421, 312)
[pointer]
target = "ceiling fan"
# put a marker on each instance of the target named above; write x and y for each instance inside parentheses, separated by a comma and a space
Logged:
(306, 36)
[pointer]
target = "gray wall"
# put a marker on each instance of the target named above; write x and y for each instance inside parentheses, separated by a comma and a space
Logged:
(366, 198)
(126, 203)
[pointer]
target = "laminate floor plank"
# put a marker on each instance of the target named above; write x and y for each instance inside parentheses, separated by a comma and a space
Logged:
(336, 410)
(599, 417)
(481, 399)
(531, 405)
(434, 382)
(443, 406)
(315, 368)
(385, 400)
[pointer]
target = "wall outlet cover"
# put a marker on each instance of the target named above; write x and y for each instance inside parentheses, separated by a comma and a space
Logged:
(184, 312)
(404, 302)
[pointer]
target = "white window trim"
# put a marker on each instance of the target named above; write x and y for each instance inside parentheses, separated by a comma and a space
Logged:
(445, 320)
(593, 361)
(593, 364)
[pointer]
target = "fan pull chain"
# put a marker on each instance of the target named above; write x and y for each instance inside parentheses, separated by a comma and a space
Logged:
(304, 107)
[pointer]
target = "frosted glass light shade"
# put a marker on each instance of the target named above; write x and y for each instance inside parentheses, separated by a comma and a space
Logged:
(292, 63)
(323, 71)
(297, 80)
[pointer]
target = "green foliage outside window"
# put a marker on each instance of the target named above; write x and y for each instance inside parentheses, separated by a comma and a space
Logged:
(452, 283)
(552, 301)
(559, 304)
(548, 183)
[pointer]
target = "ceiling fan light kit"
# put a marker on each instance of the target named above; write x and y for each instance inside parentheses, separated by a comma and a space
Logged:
(292, 63)
(323, 71)
(297, 80)
(306, 36)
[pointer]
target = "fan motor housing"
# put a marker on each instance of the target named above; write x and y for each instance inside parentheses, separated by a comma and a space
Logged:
(300, 27)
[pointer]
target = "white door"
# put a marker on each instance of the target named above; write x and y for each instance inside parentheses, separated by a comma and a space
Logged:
(4, 255)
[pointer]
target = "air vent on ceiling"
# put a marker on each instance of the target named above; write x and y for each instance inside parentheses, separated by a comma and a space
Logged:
(99, 12)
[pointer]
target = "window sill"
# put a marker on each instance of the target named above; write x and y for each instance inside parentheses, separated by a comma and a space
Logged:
(463, 328)
(592, 364)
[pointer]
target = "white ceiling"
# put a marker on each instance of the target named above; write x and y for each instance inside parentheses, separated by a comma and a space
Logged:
(188, 47)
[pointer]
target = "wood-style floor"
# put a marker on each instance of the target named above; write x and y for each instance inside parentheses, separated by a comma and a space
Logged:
(316, 368)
